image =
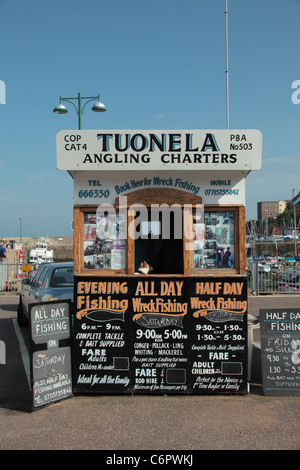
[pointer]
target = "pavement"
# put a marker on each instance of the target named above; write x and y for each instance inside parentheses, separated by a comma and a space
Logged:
(135, 424)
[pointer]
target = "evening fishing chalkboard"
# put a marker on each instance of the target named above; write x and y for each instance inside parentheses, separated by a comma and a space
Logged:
(280, 351)
(50, 351)
(160, 335)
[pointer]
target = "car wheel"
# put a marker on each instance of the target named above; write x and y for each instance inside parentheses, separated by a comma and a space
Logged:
(22, 319)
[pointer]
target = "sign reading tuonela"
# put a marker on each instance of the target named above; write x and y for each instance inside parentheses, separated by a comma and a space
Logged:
(159, 150)
(51, 372)
(160, 335)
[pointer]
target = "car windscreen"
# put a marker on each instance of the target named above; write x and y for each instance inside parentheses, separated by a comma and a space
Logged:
(42, 270)
(62, 277)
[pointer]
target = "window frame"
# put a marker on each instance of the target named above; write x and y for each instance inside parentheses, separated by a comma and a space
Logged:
(188, 255)
(239, 241)
(78, 250)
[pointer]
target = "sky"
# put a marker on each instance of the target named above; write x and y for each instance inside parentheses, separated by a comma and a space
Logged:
(156, 64)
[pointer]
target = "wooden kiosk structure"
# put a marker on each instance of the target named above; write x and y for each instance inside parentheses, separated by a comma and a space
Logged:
(175, 202)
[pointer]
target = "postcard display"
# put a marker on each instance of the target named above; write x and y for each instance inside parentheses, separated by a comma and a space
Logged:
(183, 333)
(214, 241)
(103, 248)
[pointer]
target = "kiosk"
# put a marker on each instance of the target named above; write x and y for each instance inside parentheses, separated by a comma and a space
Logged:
(160, 285)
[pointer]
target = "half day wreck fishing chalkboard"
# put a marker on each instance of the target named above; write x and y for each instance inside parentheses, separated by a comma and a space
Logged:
(51, 372)
(280, 350)
(160, 335)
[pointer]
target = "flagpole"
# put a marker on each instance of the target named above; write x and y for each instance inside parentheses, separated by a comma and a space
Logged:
(227, 84)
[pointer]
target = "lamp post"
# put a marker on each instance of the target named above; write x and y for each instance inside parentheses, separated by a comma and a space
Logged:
(20, 218)
(227, 72)
(62, 109)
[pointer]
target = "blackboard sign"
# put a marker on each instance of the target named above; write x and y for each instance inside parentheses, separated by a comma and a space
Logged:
(280, 351)
(50, 322)
(219, 336)
(160, 335)
(50, 348)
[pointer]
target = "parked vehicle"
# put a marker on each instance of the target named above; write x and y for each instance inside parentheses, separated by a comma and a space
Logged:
(53, 281)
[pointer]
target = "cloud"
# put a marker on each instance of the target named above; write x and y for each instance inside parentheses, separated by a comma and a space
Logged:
(5, 194)
(292, 159)
(36, 177)
(43, 176)
(161, 115)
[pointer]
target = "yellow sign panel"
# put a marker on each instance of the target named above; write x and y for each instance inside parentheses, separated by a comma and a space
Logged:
(26, 267)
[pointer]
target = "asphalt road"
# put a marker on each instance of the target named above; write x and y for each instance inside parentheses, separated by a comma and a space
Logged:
(177, 424)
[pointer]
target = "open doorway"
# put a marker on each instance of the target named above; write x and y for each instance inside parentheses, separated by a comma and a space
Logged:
(159, 241)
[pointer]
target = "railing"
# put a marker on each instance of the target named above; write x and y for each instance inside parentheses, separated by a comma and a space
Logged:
(11, 275)
(263, 278)
(273, 278)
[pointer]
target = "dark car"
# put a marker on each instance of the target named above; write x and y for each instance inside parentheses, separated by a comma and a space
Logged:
(53, 281)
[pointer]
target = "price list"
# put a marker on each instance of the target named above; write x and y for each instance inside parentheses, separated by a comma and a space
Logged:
(160, 359)
(218, 340)
(280, 349)
(101, 361)
(160, 339)
(161, 335)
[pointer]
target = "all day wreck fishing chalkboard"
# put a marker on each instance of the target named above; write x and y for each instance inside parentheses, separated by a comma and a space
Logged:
(280, 350)
(50, 352)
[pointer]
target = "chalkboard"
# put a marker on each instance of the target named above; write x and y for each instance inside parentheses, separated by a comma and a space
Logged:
(51, 376)
(218, 329)
(160, 335)
(50, 352)
(160, 349)
(280, 351)
(50, 322)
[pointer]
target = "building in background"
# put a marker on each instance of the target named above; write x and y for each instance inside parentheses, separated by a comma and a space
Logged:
(270, 209)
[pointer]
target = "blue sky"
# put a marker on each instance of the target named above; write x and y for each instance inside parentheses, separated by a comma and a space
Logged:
(157, 64)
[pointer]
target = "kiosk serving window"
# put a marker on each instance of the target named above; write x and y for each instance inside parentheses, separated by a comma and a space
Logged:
(159, 244)
(212, 242)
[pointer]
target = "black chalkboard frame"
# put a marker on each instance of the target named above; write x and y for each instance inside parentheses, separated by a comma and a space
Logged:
(280, 373)
(64, 345)
(232, 367)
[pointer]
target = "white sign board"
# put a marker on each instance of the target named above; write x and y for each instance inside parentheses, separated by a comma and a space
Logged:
(92, 188)
(104, 150)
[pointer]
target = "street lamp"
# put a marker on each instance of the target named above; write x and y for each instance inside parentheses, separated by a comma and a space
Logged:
(20, 218)
(226, 71)
(62, 109)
